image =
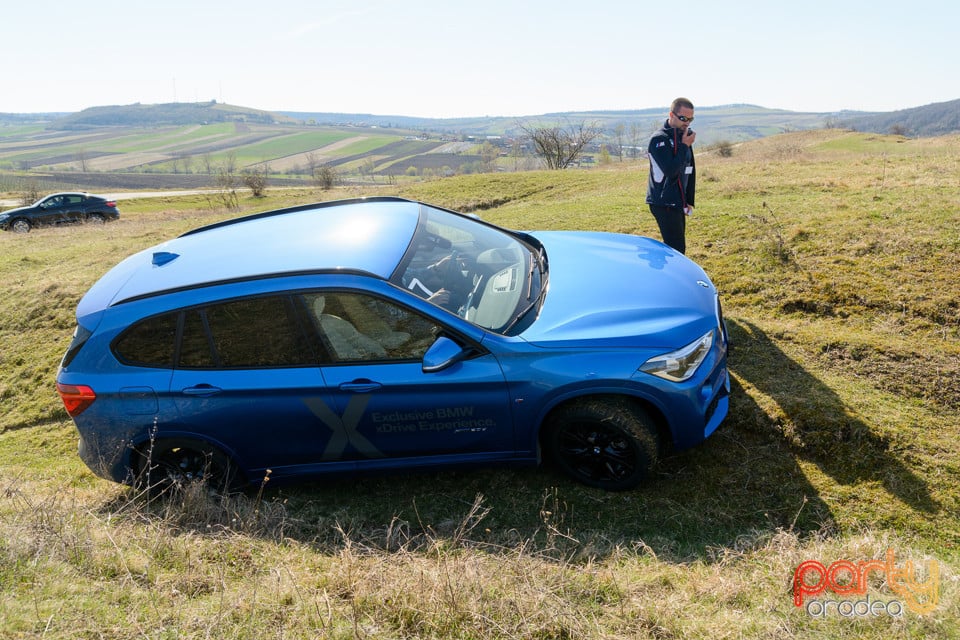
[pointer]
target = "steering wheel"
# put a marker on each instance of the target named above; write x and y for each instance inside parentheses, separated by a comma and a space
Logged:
(464, 266)
(472, 275)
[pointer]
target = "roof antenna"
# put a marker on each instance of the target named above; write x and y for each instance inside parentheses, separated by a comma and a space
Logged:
(161, 258)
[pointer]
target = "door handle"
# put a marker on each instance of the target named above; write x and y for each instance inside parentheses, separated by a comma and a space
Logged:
(360, 386)
(202, 390)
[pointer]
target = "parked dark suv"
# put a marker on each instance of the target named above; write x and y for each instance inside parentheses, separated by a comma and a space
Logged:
(60, 208)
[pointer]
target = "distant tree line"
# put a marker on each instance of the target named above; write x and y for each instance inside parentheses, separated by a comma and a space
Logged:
(931, 120)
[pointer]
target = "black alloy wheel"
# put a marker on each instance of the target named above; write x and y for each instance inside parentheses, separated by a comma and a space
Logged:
(169, 465)
(610, 444)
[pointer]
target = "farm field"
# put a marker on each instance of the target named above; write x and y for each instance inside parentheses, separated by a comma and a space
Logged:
(188, 145)
(836, 254)
(190, 156)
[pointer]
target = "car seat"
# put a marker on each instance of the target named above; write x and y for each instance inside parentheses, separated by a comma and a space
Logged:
(347, 343)
(371, 323)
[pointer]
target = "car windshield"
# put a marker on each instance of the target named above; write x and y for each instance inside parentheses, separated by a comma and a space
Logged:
(479, 272)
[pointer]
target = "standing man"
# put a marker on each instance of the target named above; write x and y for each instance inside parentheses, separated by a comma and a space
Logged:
(673, 174)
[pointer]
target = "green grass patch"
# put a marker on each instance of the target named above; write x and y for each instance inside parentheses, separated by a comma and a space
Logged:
(287, 145)
(171, 138)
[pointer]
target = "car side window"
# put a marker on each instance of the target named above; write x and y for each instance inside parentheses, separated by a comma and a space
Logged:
(149, 343)
(254, 332)
(246, 333)
(355, 327)
(196, 347)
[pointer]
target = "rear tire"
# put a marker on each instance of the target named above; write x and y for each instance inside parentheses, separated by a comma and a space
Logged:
(96, 218)
(608, 443)
(171, 465)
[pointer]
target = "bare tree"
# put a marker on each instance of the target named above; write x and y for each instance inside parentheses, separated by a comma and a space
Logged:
(82, 159)
(516, 152)
(230, 162)
(255, 179)
(367, 168)
(325, 176)
(187, 161)
(30, 192)
(313, 161)
(488, 157)
(636, 137)
(561, 147)
(618, 133)
(225, 194)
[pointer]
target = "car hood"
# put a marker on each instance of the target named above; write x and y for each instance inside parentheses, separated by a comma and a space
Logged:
(619, 290)
(17, 210)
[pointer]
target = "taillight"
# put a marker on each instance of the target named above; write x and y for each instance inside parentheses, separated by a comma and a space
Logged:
(76, 397)
(112, 204)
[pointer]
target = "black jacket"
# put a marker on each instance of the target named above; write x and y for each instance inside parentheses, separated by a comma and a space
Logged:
(673, 174)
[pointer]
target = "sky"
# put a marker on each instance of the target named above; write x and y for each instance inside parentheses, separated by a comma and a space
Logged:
(449, 59)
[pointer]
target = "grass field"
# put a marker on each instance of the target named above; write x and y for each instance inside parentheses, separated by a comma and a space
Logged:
(837, 257)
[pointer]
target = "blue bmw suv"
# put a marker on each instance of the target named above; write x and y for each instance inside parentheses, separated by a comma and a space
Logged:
(385, 334)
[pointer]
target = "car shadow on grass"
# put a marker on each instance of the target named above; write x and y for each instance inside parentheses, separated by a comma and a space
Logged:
(818, 426)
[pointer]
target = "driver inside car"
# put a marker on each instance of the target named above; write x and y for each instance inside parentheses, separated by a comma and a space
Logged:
(444, 283)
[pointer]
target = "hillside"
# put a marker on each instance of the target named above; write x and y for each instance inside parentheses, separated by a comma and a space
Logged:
(730, 122)
(161, 115)
(841, 447)
(930, 120)
(193, 145)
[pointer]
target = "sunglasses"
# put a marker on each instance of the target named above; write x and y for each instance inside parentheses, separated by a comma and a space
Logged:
(683, 118)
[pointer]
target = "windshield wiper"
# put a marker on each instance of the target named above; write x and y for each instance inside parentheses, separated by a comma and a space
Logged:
(530, 307)
(543, 290)
(535, 263)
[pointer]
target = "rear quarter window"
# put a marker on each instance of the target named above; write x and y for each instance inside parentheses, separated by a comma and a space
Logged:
(150, 342)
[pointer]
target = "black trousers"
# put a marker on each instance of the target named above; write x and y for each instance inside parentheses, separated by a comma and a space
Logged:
(673, 226)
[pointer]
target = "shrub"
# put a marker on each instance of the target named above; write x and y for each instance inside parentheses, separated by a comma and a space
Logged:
(326, 177)
(256, 181)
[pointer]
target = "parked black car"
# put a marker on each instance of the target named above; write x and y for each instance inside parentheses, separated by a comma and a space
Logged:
(60, 208)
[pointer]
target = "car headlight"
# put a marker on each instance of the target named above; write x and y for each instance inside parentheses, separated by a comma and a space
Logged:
(679, 365)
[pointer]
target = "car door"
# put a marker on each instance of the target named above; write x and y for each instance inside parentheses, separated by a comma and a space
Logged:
(50, 211)
(247, 377)
(72, 209)
(385, 406)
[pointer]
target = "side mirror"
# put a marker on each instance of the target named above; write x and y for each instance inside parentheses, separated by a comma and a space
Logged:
(442, 354)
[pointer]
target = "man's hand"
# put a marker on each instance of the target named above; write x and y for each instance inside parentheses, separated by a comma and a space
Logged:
(441, 297)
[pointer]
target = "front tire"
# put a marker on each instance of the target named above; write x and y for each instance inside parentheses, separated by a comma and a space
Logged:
(20, 225)
(608, 443)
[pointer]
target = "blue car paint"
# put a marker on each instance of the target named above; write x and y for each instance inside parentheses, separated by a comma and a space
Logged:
(613, 302)
(596, 294)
